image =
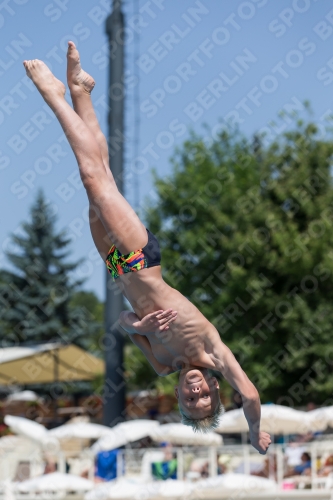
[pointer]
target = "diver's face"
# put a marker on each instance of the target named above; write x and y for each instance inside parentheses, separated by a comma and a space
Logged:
(197, 393)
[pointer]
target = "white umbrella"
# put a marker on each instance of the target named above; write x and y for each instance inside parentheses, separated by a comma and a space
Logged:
(184, 435)
(27, 428)
(56, 481)
(23, 396)
(33, 431)
(278, 419)
(124, 433)
(214, 487)
(168, 489)
(80, 430)
(233, 421)
(275, 419)
(127, 489)
(320, 419)
(122, 489)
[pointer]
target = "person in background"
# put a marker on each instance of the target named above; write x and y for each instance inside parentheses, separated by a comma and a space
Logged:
(167, 469)
(221, 468)
(327, 468)
(304, 468)
(269, 468)
(50, 467)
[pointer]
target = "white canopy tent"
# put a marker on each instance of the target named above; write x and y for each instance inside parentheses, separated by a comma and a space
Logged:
(320, 419)
(33, 431)
(47, 363)
(55, 482)
(130, 489)
(109, 438)
(224, 486)
(233, 421)
(131, 431)
(80, 430)
(121, 489)
(23, 396)
(275, 419)
(169, 489)
(179, 434)
(124, 433)
(232, 486)
(27, 428)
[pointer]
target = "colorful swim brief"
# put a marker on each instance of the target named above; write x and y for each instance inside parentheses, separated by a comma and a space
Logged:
(148, 256)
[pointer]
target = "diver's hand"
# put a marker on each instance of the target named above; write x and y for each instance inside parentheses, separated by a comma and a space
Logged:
(157, 321)
(261, 442)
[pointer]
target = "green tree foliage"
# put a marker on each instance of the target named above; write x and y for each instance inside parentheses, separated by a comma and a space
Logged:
(38, 296)
(93, 309)
(246, 234)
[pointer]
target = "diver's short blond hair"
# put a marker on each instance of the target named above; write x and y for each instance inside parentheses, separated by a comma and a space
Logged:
(205, 424)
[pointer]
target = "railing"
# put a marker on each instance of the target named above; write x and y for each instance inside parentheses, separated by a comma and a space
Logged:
(241, 459)
(238, 458)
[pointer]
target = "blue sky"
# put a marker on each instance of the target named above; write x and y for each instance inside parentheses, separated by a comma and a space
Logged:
(188, 63)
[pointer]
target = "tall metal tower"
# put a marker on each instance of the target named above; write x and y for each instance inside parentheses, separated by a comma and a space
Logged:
(114, 390)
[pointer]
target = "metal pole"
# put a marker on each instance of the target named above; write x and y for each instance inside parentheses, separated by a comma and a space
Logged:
(114, 389)
(56, 380)
(180, 464)
(212, 461)
(246, 454)
(280, 465)
(313, 453)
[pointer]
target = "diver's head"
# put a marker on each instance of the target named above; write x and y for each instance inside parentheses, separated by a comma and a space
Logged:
(199, 399)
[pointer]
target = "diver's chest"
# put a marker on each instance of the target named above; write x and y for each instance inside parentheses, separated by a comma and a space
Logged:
(162, 354)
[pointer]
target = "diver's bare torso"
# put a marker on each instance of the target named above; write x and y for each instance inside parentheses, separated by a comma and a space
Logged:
(189, 339)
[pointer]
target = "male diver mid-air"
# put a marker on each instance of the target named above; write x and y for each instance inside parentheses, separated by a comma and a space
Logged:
(170, 331)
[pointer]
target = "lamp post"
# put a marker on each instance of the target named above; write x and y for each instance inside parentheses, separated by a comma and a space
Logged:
(114, 390)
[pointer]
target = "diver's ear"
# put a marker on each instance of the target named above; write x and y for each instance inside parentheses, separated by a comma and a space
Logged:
(176, 392)
(216, 383)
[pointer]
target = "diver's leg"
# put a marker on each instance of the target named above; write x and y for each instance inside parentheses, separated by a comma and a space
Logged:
(120, 221)
(80, 85)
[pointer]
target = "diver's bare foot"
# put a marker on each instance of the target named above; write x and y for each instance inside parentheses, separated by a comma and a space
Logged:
(48, 85)
(77, 78)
